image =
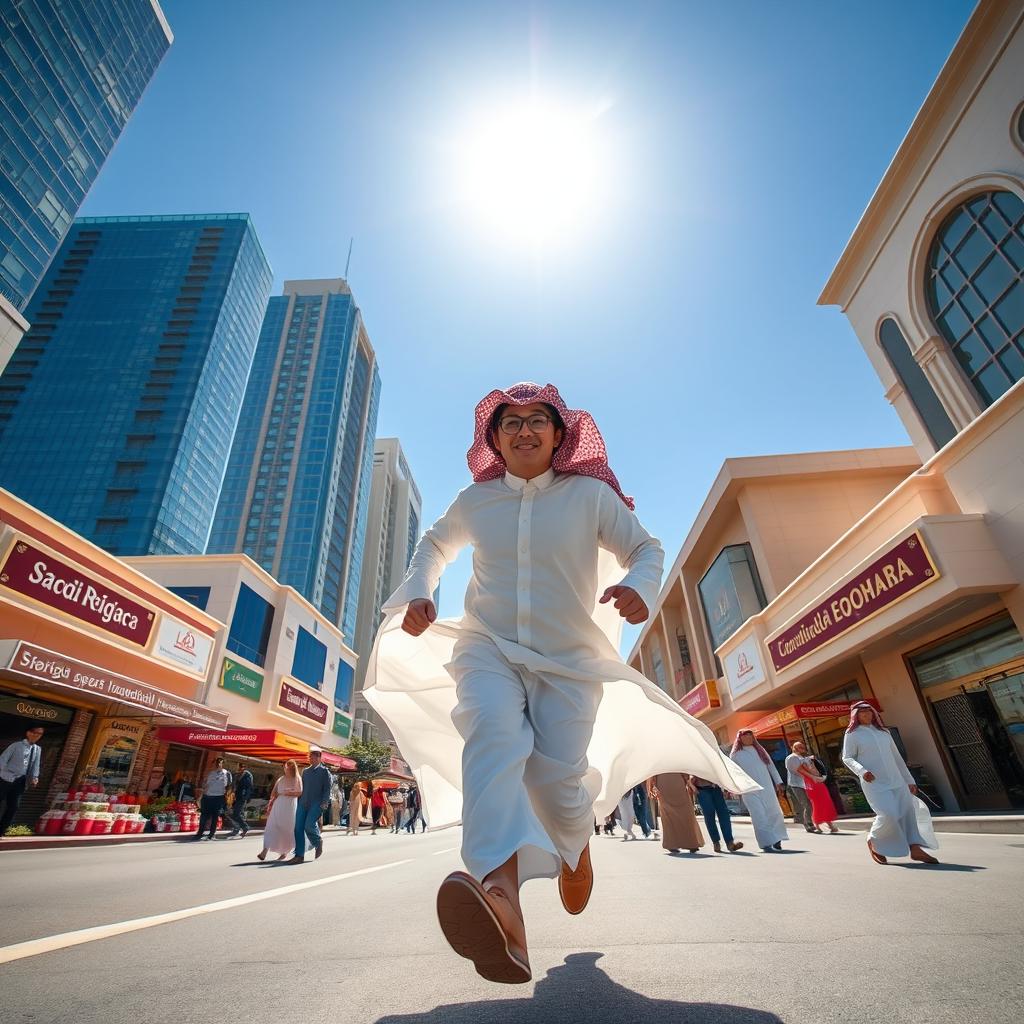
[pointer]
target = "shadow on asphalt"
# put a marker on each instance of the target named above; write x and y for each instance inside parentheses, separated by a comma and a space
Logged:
(940, 867)
(578, 992)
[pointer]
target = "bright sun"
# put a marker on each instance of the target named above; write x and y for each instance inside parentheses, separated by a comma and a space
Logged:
(534, 172)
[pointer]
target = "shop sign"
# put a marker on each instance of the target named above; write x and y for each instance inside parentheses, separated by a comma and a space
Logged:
(41, 576)
(703, 697)
(35, 710)
(183, 646)
(743, 666)
(298, 702)
(903, 569)
(796, 712)
(241, 680)
(342, 725)
(50, 667)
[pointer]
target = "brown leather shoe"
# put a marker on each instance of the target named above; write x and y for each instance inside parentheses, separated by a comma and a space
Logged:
(918, 853)
(483, 926)
(875, 855)
(576, 886)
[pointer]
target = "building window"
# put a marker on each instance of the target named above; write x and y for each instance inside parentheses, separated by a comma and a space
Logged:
(658, 665)
(309, 661)
(920, 392)
(198, 596)
(730, 592)
(250, 626)
(343, 687)
(975, 290)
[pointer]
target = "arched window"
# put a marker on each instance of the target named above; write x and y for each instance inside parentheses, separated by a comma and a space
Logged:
(938, 424)
(975, 289)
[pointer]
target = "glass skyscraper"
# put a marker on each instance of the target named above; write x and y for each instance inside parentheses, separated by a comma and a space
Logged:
(118, 409)
(297, 489)
(71, 73)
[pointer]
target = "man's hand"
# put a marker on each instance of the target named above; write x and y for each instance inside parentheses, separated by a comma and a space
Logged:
(913, 789)
(869, 776)
(628, 603)
(33, 782)
(418, 616)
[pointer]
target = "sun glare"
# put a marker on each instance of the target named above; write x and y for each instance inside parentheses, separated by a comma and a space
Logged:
(534, 173)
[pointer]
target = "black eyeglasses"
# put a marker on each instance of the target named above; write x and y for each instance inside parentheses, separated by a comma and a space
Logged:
(511, 425)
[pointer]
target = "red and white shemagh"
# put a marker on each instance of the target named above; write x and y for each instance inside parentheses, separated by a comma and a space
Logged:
(582, 450)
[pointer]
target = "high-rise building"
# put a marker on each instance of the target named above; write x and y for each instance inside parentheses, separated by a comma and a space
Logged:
(392, 529)
(297, 489)
(71, 73)
(118, 409)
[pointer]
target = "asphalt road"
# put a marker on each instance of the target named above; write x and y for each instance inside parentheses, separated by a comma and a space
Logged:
(813, 935)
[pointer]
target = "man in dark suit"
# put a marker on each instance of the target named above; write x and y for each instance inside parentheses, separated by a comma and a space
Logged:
(244, 785)
(316, 796)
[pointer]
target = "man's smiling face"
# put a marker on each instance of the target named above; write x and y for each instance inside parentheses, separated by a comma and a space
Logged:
(527, 446)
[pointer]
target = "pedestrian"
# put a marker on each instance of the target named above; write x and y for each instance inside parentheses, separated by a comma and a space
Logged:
(19, 770)
(213, 802)
(279, 833)
(643, 813)
(902, 823)
(627, 816)
(243, 787)
(333, 813)
(712, 805)
(675, 792)
(396, 800)
(356, 804)
(531, 674)
(763, 805)
(316, 795)
(800, 768)
(378, 801)
(823, 808)
(412, 808)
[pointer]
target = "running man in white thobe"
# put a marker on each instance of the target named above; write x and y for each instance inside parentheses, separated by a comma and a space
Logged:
(550, 726)
(763, 805)
(902, 823)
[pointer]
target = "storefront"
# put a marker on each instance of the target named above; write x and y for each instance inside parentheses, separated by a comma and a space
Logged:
(972, 685)
(96, 653)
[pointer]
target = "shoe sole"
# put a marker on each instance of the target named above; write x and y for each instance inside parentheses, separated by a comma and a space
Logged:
(474, 932)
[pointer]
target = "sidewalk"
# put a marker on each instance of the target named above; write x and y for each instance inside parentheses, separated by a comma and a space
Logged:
(991, 824)
(67, 842)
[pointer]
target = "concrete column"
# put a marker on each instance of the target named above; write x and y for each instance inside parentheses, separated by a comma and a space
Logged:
(945, 376)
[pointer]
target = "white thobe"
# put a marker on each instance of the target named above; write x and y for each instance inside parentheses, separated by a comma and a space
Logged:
(762, 806)
(901, 820)
(520, 718)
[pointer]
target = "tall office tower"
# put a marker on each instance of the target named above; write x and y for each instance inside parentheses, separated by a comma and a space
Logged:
(392, 529)
(297, 488)
(71, 73)
(118, 409)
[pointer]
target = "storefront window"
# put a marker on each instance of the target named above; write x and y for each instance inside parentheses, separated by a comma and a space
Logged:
(658, 664)
(114, 764)
(994, 644)
(309, 661)
(730, 592)
(250, 626)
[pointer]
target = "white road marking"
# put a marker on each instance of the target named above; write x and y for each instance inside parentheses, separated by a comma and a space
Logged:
(451, 849)
(21, 950)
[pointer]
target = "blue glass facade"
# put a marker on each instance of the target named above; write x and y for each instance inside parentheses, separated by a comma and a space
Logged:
(296, 491)
(71, 73)
(118, 408)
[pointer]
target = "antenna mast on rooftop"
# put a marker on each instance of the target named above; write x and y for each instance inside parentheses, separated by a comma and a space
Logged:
(349, 259)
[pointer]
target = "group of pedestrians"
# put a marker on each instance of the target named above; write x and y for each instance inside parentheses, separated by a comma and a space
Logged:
(902, 824)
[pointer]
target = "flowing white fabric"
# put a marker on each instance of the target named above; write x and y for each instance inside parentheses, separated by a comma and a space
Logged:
(901, 820)
(762, 806)
(544, 551)
(279, 835)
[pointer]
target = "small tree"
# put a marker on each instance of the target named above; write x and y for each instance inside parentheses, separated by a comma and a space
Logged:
(371, 757)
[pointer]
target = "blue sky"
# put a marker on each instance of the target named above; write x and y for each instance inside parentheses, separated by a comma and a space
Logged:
(739, 144)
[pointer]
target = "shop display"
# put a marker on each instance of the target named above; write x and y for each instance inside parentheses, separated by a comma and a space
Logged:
(89, 811)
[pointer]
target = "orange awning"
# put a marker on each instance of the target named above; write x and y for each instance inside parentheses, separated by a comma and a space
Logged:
(268, 744)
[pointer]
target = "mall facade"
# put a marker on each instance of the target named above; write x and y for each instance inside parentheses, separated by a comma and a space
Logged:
(895, 575)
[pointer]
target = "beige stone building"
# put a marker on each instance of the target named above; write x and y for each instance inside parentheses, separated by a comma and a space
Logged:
(808, 581)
